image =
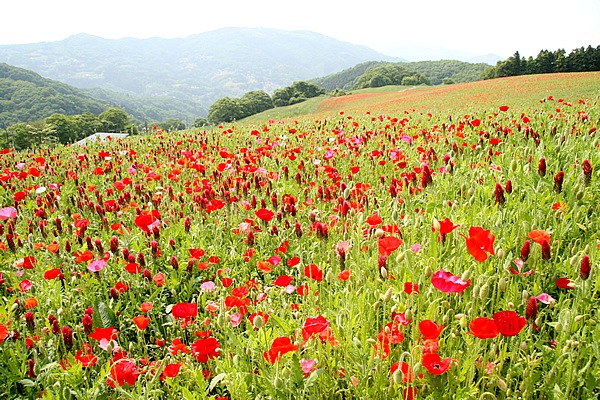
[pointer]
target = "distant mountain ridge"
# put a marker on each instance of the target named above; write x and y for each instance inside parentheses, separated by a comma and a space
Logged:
(200, 68)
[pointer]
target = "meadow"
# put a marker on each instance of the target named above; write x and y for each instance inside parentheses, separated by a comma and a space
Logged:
(410, 243)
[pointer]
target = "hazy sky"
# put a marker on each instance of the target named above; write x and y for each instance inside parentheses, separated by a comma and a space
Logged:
(408, 29)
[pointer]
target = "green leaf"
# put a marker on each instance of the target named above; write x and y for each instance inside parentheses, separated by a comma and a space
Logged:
(27, 382)
(103, 315)
(214, 381)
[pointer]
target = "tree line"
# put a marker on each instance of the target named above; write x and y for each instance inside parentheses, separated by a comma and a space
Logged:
(65, 129)
(228, 109)
(547, 62)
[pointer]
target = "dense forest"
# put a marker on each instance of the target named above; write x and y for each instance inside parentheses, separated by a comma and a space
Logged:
(547, 62)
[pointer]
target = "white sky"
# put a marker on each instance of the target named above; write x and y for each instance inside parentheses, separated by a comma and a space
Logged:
(397, 28)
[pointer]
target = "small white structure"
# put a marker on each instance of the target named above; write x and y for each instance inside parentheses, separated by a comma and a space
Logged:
(100, 137)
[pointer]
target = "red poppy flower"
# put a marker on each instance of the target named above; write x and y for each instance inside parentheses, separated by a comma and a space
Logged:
(509, 323)
(410, 287)
(292, 262)
(184, 310)
(447, 226)
(538, 235)
(504, 108)
(283, 280)
(483, 328)
(3, 332)
(448, 283)
(52, 273)
(344, 275)
(205, 349)
(479, 242)
(430, 330)
(564, 283)
(196, 253)
(313, 326)
(312, 271)
(133, 268)
(145, 221)
(374, 219)
(434, 364)
(176, 347)
(280, 346)
(387, 244)
(123, 371)
(171, 370)
(107, 334)
(29, 262)
(85, 356)
(265, 215)
(141, 322)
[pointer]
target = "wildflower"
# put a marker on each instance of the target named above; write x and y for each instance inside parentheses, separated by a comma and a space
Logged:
(499, 193)
(587, 172)
(280, 346)
(387, 244)
(509, 323)
(312, 271)
(484, 328)
(434, 364)
(542, 167)
(205, 349)
(430, 330)
(171, 370)
(123, 371)
(479, 242)
(585, 269)
(558, 181)
(525, 250)
(448, 283)
(545, 249)
(141, 322)
(532, 309)
(564, 283)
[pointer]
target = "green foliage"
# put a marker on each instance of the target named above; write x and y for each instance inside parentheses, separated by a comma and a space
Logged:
(390, 74)
(114, 120)
(225, 109)
(171, 125)
(296, 93)
(434, 71)
(255, 102)
(25, 97)
(579, 60)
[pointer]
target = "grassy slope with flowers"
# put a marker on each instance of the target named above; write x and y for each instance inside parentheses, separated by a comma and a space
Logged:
(380, 248)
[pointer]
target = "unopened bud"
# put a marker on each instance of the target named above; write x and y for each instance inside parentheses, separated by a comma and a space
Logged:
(388, 295)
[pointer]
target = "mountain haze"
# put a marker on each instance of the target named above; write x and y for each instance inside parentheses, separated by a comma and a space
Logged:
(200, 68)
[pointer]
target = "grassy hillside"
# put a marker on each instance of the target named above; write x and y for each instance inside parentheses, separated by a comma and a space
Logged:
(395, 99)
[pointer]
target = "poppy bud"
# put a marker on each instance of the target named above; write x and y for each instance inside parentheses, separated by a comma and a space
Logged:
(508, 187)
(87, 322)
(174, 262)
(532, 309)
(545, 249)
(499, 192)
(542, 167)
(525, 250)
(141, 259)
(30, 320)
(67, 334)
(584, 271)
(114, 244)
(558, 181)
(31, 368)
(587, 172)
(55, 327)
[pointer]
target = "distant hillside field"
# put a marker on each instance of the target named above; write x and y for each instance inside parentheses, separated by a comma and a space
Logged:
(514, 91)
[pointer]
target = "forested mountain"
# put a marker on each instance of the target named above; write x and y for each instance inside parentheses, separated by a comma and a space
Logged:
(200, 68)
(436, 72)
(26, 96)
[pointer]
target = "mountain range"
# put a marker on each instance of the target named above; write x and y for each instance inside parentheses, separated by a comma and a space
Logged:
(198, 69)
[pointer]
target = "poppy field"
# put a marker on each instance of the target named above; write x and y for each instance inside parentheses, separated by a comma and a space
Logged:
(379, 253)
